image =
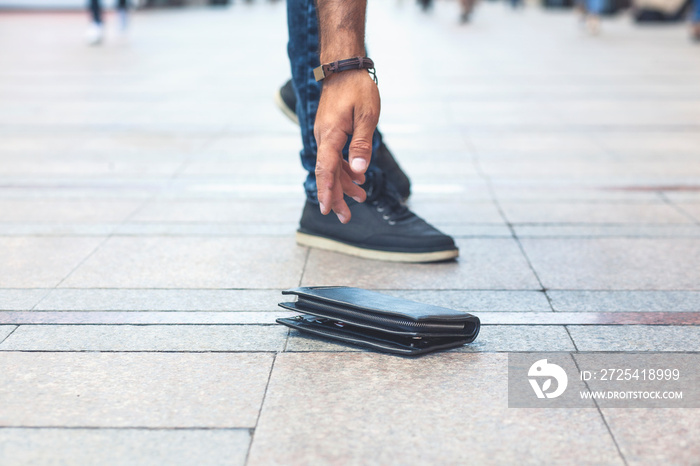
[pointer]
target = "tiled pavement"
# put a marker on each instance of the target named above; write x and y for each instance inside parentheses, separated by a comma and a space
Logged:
(149, 193)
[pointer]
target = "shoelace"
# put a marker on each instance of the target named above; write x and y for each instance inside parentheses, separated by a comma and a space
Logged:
(385, 199)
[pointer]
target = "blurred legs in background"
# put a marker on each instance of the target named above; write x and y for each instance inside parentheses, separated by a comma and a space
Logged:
(594, 8)
(466, 7)
(695, 18)
(95, 32)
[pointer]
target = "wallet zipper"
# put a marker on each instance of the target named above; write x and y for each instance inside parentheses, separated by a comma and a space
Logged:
(383, 319)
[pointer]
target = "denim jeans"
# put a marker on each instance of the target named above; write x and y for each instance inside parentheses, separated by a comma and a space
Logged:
(595, 7)
(95, 8)
(302, 48)
(695, 14)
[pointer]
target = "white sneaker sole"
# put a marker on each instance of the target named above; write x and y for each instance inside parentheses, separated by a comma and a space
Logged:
(282, 106)
(312, 241)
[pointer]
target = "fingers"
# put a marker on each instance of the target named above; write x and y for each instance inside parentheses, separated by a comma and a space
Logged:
(327, 173)
(357, 178)
(332, 179)
(339, 206)
(350, 186)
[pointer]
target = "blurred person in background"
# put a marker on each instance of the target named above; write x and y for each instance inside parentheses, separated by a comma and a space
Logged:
(466, 7)
(695, 19)
(95, 33)
(591, 11)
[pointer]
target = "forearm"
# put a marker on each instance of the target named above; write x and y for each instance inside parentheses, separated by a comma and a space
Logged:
(341, 29)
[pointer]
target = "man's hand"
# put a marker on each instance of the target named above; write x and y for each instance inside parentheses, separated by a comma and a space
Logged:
(349, 106)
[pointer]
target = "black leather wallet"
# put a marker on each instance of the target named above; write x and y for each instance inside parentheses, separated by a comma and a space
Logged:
(378, 321)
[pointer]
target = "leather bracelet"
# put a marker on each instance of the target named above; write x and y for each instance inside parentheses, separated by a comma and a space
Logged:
(357, 63)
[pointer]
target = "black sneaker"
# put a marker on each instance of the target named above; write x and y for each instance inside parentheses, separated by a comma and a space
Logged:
(381, 228)
(387, 164)
(286, 100)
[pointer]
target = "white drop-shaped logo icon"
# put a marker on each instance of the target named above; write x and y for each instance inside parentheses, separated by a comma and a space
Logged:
(542, 369)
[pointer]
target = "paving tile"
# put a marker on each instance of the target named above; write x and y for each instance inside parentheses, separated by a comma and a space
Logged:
(600, 231)
(61, 210)
(635, 338)
(554, 167)
(40, 262)
(76, 191)
(479, 300)
(438, 190)
(586, 213)
(691, 208)
(569, 190)
(220, 211)
(681, 195)
(57, 229)
(483, 264)
(146, 338)
(62, 299)
(516, 338)
(67, 113)
(461, 167)
(474, 230)
(5, 331)
(657, 143)
(625, 301)
(206, 229)
(187, 262)
(637, 113)
(655, 436)
(57, 165)
(167, 145)
(372, 402)
(605, 264)
(457, 212)
(113, 447)
(288, 168)
(511, 113)
(154, 390)
(532, 143)
(20, 300)
(26, 144)
(226, 147)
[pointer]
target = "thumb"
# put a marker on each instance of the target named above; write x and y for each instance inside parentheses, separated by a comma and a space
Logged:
(360, 150)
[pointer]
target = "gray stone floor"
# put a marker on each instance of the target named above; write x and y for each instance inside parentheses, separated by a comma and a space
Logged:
(150, 190)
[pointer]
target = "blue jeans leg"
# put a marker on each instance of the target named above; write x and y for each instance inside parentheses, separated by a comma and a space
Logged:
(95, 11)
(595, 7)
(302, 48)
(695, 16)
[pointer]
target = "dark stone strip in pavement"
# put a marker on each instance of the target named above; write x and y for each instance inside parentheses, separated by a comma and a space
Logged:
(243, 318)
